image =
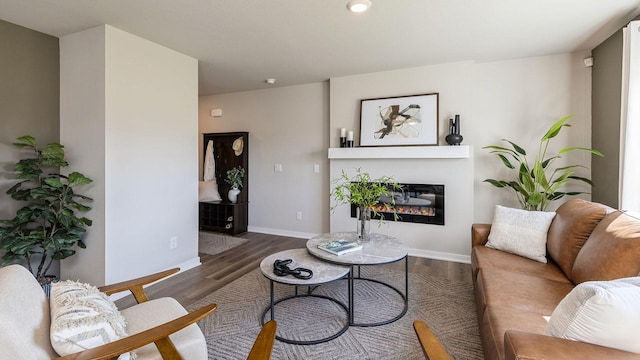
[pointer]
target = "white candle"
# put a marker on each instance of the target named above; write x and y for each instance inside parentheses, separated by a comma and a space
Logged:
(343, 132)
(350, 136)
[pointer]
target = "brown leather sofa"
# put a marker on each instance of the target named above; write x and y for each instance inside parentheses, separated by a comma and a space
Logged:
(586, 241)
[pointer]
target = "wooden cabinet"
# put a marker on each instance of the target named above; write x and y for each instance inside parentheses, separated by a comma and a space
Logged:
(225, 216)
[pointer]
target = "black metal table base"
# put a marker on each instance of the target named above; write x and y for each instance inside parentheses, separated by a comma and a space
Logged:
(309, 294)
(405, 297)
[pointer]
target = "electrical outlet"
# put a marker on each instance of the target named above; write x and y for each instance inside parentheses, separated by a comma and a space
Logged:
(316, 168)
(173, 242)
(277, 168)
(299, 215)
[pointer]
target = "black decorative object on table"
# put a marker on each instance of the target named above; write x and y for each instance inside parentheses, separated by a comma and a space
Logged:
(454, 137)
(280, 268)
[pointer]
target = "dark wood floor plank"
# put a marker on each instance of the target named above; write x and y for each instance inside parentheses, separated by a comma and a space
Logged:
(219, 270)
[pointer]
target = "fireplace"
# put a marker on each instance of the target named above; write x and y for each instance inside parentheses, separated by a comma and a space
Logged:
(416, 203)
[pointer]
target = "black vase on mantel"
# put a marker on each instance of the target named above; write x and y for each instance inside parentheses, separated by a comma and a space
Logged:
(454, 137)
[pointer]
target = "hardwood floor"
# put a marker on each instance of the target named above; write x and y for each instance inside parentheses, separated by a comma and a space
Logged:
(219, 270)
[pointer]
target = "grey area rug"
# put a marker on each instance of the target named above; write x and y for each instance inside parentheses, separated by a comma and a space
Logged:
(214, 243)
(447, 306)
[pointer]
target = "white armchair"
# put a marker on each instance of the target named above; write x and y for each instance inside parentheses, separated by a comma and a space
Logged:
(25, 324)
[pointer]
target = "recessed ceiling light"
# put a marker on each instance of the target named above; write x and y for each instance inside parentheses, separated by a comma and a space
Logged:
(358, 5)
(270, 81)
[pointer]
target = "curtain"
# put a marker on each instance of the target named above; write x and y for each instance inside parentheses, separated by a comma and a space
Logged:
(629, 194)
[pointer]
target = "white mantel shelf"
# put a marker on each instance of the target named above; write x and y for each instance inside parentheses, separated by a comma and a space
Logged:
(401, 152)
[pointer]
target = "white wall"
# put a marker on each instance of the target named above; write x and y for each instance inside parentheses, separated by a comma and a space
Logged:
(133, 127)
(82, 131)
(288, 126)
(518, 100)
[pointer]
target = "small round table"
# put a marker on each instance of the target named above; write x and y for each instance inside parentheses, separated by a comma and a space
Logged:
(381, 249)
(323, 272)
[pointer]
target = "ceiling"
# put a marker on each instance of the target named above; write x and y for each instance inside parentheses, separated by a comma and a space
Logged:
(240, 43)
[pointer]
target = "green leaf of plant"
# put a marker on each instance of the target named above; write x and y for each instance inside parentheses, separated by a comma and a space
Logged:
(579, 178)
(555, 196)
(505, 161)
(535, 199)
(53, 182)
(26, 140)
(593, 151)
(548, 161)
(499, 149)
(554, 130)
(496, 183)
(540, 175)
(516, 147)
(53, 154)
(527, 181)
(76, 178)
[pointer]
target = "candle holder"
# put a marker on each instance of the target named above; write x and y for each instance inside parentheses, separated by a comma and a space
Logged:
(349, 143)
(343, 141)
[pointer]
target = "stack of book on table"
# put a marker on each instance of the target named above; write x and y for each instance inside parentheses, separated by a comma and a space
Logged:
(339, 247)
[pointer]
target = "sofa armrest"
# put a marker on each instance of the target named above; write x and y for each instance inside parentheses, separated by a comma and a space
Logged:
(520, 345)
(136, 285)
(480, 234)
(159, 335)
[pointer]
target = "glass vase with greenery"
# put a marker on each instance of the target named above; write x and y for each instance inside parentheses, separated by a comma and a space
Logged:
(49, 226)
(364, 192)
(539, 183)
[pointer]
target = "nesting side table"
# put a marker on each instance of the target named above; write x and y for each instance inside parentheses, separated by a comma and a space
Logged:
(323, 272)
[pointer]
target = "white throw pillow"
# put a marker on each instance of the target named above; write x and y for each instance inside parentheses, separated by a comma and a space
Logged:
(605, 313)
(208, 191)
(520, 232)
(82, 318)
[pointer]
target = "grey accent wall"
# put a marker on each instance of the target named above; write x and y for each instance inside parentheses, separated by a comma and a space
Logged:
(605, 112)
(29, 97)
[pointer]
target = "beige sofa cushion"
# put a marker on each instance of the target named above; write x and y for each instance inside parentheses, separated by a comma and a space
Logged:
(570, 229)
(23, 337)
(611, 252)
(189, 341)
(520, 232)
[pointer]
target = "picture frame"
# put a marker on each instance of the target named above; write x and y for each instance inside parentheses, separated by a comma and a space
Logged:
(399, 120)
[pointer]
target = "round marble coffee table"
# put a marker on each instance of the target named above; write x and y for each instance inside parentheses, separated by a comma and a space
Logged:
(323, 272)
(382, 249)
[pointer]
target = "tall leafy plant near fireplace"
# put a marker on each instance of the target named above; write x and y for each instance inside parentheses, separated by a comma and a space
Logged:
(537, 184)
(363, 192)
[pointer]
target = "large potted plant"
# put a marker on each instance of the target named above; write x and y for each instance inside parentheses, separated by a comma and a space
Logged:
(538, 183)
(48, 227)
(364, 192)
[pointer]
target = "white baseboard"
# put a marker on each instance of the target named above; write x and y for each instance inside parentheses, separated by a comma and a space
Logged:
(189, 264)
(279, 232)
(413, 252)
(184, 266)
(466, 259)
